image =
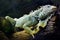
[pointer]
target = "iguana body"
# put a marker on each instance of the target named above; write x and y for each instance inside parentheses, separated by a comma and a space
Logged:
(34, 18)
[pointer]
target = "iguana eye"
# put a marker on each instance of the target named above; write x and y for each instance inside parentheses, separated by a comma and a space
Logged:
(48, 6)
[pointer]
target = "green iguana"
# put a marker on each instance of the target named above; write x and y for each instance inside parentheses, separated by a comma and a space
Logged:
(38, 17)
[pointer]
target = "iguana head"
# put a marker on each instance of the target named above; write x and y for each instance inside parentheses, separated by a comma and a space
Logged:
(49, 8)
(46, 11)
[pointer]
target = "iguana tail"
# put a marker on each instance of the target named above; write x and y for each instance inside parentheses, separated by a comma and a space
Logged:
(12, 21)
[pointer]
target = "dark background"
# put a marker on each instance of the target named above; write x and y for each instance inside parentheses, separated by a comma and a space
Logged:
(17, 8)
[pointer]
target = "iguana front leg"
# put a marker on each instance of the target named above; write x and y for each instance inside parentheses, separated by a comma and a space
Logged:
(40, 24)
(44, 22)
(27, 28)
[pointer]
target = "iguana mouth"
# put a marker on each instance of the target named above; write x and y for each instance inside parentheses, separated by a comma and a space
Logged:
(54, 8)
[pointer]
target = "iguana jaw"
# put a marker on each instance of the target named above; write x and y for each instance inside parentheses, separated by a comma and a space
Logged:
(54, 8)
